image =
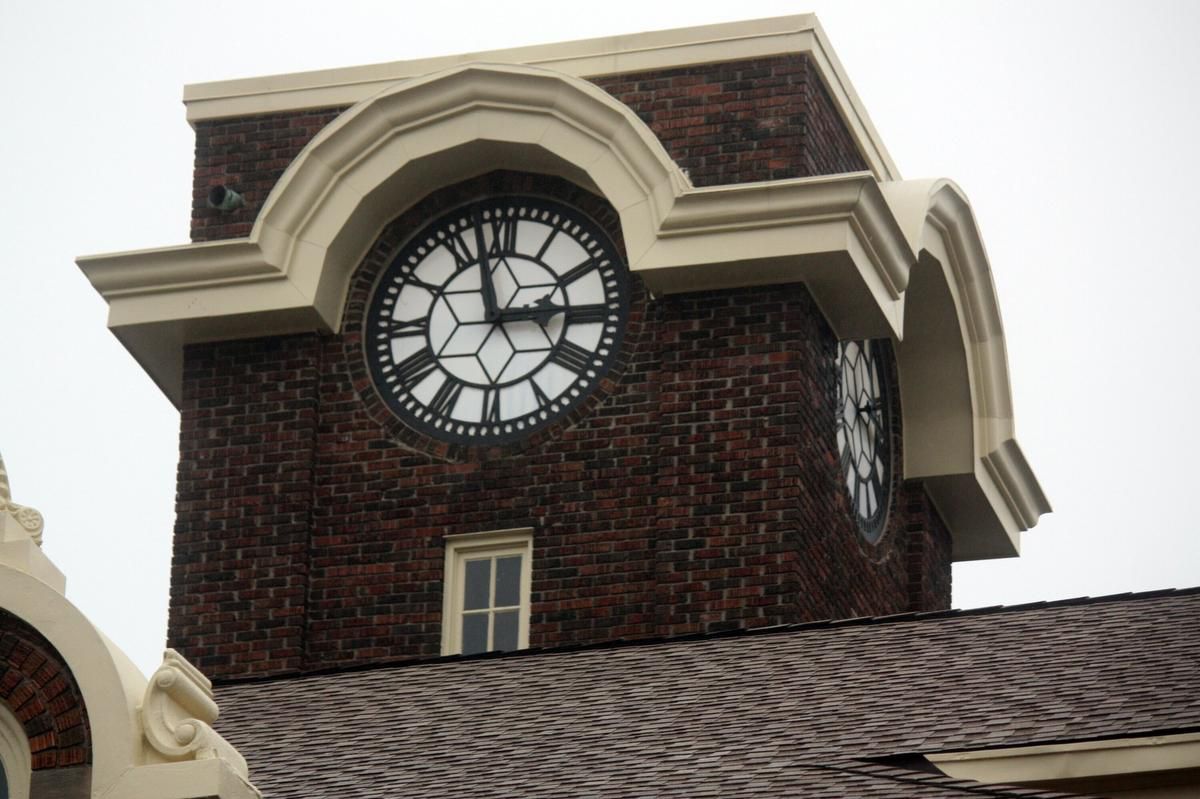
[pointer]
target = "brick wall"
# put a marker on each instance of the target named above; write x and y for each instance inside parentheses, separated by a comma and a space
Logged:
(741, 121)
(41, 692)
(248, 155)
(734, 122)
(244, 502)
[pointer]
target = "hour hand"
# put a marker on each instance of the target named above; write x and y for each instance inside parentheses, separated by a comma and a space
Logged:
(541, 310)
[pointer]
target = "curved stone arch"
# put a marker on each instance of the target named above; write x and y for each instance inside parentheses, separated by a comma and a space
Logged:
(111, 686)
(16, 760)
(37, 684)
(389, 151)
(956, 396)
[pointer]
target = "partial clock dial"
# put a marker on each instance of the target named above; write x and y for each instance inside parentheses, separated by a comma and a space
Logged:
(864, 433)
(496, 319)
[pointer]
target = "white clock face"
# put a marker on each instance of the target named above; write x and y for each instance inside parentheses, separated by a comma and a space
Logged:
(864, 433)
(496, 319)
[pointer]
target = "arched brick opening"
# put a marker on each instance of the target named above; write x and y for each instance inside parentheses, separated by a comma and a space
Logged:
(39, 689)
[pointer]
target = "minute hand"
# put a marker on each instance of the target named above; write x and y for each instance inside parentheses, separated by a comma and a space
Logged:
(485, 273)
(543, 313)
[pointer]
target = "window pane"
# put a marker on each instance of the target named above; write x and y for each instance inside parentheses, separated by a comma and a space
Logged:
(508, 581)
(479, 576)
(474, 631)
(506, 631)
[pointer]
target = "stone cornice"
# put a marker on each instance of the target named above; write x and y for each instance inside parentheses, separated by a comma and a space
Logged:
(1015, 479)
(611, 55)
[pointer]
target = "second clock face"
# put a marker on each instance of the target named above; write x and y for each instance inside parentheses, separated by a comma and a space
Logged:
(496, 319)
(864, 433)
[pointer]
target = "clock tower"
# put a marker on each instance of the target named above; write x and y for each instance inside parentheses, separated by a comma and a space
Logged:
(608, 340)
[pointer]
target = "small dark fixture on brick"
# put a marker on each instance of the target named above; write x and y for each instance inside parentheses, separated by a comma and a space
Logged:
(225, 199)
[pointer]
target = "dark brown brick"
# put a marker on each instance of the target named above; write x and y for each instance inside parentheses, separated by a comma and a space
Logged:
(42, 694)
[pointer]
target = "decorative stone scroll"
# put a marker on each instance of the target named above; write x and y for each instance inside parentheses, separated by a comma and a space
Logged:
(28, 519)
(177, 712)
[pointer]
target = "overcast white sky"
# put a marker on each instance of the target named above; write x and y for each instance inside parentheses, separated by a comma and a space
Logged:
(1071, 126)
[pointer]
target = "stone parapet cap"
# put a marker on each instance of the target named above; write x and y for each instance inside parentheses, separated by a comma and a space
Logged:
(608, 55)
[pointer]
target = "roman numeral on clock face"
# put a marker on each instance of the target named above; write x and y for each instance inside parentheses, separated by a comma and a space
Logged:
(584, 314)
(446, 397)
(491, 406)
(578, 271)
(540, 395)
(572, 356)
(504, 235)
(458, 248)
(398, 329)
(416, 367)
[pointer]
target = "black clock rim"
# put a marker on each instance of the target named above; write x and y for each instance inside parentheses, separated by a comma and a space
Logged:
(516, 434)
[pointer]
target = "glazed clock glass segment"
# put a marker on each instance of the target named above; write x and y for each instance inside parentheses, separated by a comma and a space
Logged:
(496, 319)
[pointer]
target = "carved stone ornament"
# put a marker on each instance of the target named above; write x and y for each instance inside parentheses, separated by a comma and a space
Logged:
(177, 712)
(30, 520)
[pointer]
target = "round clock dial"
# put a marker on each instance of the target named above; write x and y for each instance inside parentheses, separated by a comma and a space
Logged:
(863, 433)
(496, 319)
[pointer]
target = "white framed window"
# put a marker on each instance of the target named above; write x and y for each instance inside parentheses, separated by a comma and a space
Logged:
(16, 763)
(486, 602)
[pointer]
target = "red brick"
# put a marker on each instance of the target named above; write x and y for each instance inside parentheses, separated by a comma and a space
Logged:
(40, 691)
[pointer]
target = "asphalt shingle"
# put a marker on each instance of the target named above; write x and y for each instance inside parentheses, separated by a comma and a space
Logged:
(754, 715)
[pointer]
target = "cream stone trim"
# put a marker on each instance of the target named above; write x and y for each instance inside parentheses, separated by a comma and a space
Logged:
(27, 519)
(1073, 761)
(189, 779)
(584, 58)
(125, 764)
(15, 757)
(834, 233)
(897, 259)
(955, 393)
(21, 539)
(177, 711)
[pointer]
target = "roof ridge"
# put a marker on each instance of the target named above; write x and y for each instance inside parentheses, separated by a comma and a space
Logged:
(894, 618)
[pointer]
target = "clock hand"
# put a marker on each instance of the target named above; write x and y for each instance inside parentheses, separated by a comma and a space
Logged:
(490, 310)
(543, 310)
(540, 310)
(870, 408)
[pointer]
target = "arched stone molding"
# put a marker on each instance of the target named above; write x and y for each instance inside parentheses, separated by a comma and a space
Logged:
(364, 169)
(958, 415)
(39, 688)
(15, 758)
(124, 763)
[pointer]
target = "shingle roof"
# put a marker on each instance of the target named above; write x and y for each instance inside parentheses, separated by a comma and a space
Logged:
(796, 711)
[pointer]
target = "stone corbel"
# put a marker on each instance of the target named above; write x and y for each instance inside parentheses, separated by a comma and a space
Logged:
(177, 713)
(21, 539)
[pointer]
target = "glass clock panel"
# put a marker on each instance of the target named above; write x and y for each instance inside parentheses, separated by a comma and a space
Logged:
(496, 319)
(864, 433)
